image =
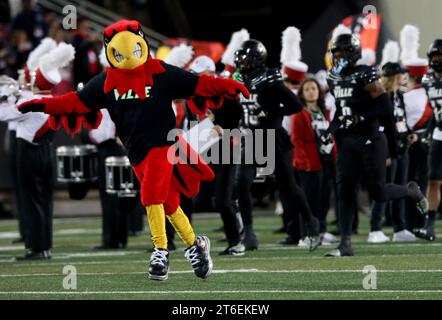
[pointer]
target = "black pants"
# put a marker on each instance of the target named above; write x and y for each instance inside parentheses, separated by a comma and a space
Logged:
(36, 183)
(115, 210)
(417, 171)
(136, 219)
(396, 173)
(17, 202)
(317, 186)
(367, 154)
(292, 196)
(224, 202)
(218, 195)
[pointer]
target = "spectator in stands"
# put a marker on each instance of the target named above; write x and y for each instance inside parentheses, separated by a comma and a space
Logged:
(22, 46)
(86, 64)
(31, 20)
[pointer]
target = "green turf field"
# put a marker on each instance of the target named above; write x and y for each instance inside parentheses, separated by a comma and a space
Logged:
(404, 271)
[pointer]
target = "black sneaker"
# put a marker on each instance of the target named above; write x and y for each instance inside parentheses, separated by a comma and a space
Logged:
(235, 250)
(250, 241)
(159, 265)
(343, 250)
(313, 239)
(199, 256)
(35, 255)
(416, 194)
(426, 232)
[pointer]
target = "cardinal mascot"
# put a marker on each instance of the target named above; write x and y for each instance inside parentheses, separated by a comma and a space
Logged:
(138, 91)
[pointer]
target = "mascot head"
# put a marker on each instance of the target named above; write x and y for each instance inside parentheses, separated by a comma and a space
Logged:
(125, 44)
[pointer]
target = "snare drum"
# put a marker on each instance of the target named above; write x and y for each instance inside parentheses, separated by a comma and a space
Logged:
(77, 164)
(120, 178)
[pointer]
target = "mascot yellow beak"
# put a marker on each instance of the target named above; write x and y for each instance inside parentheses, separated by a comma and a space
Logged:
(127, 50)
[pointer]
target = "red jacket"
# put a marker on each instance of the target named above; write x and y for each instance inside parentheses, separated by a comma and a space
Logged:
(306, 153)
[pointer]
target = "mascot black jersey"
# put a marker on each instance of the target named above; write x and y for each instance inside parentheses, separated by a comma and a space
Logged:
(142, 124)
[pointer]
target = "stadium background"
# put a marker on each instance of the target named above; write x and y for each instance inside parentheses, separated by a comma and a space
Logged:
(170, 21)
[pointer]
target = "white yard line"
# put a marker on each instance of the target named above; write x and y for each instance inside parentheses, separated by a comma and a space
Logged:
(224, 271)
(174, 292)
(11, 248)
(62, 232)
(268, 247)
(178, 258)
(9, 235)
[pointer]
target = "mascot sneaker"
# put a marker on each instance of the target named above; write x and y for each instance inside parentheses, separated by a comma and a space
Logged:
(159, 265)
(199, 257)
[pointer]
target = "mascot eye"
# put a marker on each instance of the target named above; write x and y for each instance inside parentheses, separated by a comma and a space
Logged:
(137, 51)
(118, 56)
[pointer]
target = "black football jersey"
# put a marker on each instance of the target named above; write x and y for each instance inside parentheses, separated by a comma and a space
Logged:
(351, 98)
(269, 101)
(433, 86)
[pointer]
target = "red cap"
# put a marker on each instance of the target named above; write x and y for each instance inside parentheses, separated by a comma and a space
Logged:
(40, 81)
(293, 75)
(415, 71)
(417, 67)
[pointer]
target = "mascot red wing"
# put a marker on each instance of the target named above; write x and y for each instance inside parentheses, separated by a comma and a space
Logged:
(138, 91)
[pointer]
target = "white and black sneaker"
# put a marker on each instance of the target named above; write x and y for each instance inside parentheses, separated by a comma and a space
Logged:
(427, 232)
(199, 256)
(235, 250)
(343, 250)
(416, 193)
(313, 239)
(159, 265)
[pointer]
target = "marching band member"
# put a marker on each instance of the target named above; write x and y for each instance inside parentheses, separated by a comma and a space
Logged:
(7, 95)
(419, 114)
(293, 71)
(35, 158)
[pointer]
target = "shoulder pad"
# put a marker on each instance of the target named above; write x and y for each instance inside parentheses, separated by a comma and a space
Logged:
(273, 75)
(427, 79)
(332, 77)
(367, 75)
(267, 78)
